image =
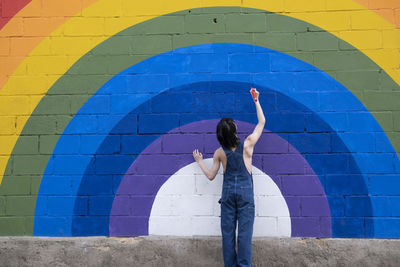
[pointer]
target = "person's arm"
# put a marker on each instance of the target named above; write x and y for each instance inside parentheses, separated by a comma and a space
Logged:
(210, 174)
(252, 139)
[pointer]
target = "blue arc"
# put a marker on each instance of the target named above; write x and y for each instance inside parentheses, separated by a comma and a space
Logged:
(93, 176)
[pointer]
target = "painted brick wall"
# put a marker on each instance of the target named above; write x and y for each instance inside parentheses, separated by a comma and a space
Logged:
(102, 103)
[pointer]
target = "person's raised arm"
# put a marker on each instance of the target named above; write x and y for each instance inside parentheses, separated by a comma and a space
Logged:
(253, 138)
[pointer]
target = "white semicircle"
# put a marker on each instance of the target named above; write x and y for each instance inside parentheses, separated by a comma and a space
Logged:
(187, 205)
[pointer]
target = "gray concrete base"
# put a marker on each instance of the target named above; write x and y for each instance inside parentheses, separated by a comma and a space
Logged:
(194, 251)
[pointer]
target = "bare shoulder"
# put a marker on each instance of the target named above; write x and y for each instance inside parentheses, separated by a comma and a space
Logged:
(218, 152)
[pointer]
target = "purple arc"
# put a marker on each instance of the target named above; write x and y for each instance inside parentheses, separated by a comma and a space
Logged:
(298, 183)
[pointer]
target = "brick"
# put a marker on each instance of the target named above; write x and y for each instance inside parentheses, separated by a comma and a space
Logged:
(37, 124)
(47, 65)
(35, 184)
(348, 227)
(382, 143)
(345, 184)
(23, 85)
(95, 185)
(30, 145)
(385, 119)
(14, 28)
(371, 39)
(253, 63)
(83, 124)
(281, 23)
(373, 163)
(51, 105)
(52, 226)
(361, 122)
(309, 207)
(8, 162)
(329, 163)
(365, 80)
(60, 185)
(384, 184)
(33, 164)
(391, 39)
(353, 142)
(8, 104)
(276, 41)
(118, 45)
(336, 205)
(174, 143)
(41, 26)
(334, 21)
(7, 125)
(151, 44)
(246, 23)
(337, 122)
(362, 19)
(293, 122)
(140, 85)
(72, 164)
(357, 206)
(47, 143)
(106, 144)
(342, 60)
(67, 205)
(315, 41)
(173, 24)
(5, 141)
(12, 226)
(107, 122)
(157, 123)
(288, 64)
(134, 144)
(20, 205)
(334, 101)
(4, 46)
(208, 23)
(386, 83)
(101, 205)
(177, 102)
(311, 98)
(377, 100)
(208, 63)
(2, 206)
(75, 44)
(97, 104)
(15, 185)
(313, 5)
(383, 227)
(310, 143)
(113, 164)
(92, 27)
(396, 120)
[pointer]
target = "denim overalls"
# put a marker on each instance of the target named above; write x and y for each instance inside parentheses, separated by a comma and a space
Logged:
(237, 203)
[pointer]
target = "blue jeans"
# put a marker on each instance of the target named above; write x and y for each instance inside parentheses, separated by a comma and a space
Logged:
(237, 204)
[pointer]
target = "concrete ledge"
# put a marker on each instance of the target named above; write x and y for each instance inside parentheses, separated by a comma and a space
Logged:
(193, 251)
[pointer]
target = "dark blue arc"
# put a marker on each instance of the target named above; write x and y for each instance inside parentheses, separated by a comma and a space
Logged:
(205, 86)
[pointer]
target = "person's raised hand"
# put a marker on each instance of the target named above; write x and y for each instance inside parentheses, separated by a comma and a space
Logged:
(255, 95)
(197, 155)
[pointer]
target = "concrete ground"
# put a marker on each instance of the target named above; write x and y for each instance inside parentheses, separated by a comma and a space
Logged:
(193, 251)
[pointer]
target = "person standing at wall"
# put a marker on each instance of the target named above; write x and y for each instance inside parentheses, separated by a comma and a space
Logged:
(237, 198)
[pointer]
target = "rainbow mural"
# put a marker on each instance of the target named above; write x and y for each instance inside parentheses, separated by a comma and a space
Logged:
(102, 103)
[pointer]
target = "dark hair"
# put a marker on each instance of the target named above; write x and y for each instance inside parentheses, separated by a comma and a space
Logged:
(226, 133)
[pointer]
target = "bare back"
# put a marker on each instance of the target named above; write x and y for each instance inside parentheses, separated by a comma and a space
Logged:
(247, 156)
